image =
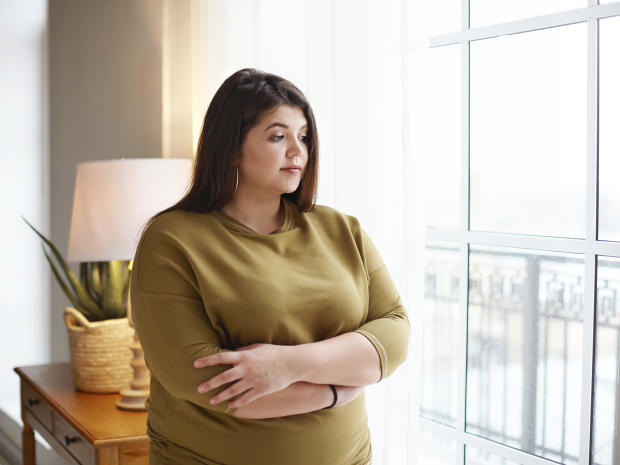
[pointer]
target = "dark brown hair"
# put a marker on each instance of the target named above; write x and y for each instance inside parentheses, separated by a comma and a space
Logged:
(237, 106)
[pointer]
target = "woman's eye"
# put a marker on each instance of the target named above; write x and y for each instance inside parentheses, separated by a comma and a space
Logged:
(279, 138)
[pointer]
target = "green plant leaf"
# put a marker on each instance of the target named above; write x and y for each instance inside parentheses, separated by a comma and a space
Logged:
(95, 279)
(127, 275)
(67, 291)
(112, 296)
(86, 283)
(82, 296)
(126, 280)
(103, 274)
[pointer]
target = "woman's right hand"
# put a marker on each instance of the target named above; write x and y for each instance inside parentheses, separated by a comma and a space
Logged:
(347, 393)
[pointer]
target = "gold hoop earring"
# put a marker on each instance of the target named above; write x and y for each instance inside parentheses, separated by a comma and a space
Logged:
(237, 181)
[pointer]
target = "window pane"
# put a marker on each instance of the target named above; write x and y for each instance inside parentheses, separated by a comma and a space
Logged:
(485, 12)
(444, 16)
(606, 437)
(438, 384)
(528, 133)
(525, 323)
(435, 449)
(475, 456)
(609, 134)
(443, 163)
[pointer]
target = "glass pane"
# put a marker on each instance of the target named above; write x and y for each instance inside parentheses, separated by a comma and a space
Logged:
(525, 323)
(485, 12)
(444, 16)
(609, 135)
(443, 164)
(475, 456)
(434, 449)
(439, 379)
(606, 435)
(528, 133)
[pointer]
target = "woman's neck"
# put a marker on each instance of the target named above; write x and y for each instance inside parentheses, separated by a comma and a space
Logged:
(262, 216)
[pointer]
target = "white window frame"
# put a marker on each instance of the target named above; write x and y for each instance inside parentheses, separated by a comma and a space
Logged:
(591, 247)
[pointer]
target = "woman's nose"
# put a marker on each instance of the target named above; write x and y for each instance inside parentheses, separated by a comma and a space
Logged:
(296, 148)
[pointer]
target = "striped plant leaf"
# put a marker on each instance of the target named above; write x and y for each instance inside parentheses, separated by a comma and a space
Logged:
(82, 296)
(67, 291)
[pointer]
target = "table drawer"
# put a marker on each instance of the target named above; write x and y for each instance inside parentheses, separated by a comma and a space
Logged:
(37, 405)
(73, 441)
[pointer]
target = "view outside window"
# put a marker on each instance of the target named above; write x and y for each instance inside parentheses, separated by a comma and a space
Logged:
(444, 17)
(524, 338)
(443, 166)
(605, 447)
(439, 384)
(609, 130)
(525, 326)
(487, 12)
(528, 133)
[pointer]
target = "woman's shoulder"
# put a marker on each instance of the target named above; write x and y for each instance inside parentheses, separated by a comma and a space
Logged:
(172, 221)
(178, 226)
(332, 216)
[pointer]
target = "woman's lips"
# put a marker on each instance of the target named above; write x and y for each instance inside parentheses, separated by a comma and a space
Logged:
(292, 170)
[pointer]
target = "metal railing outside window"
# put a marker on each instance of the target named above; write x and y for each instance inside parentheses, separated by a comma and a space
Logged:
(521, 366)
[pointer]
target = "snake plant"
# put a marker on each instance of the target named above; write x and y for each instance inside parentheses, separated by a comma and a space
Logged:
(102, 290)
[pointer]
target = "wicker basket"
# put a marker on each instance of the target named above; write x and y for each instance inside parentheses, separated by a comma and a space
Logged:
(100, 353)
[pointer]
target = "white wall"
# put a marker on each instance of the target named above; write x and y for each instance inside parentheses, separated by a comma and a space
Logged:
(24, 190)
(105, 103)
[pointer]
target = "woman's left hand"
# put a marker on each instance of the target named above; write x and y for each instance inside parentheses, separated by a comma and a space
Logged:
(258, 369)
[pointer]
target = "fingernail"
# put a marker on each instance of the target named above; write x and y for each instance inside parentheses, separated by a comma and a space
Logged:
(201, 389)
(212, 400)
(197, 364)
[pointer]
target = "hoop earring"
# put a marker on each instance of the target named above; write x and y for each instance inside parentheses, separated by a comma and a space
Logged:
(237, 181)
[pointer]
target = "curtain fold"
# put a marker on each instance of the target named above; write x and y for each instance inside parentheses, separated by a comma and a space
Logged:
(363, 66)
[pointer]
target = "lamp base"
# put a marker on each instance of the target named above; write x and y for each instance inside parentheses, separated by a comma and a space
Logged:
(133, 398)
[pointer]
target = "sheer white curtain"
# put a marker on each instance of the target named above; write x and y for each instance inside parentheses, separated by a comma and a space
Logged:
(363, 67)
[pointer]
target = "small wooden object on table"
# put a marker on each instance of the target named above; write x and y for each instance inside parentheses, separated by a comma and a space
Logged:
(83, 428)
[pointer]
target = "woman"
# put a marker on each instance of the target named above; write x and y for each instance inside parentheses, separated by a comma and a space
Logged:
(280, 310)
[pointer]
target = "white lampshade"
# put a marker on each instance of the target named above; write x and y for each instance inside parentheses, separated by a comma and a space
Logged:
(114, 198)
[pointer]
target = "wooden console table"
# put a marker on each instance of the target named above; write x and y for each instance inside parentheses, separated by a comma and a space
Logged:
(84, 429)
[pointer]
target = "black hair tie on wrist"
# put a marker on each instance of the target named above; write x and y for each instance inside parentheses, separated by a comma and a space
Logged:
(335, 397)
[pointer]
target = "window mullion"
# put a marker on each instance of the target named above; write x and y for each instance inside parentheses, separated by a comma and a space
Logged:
(464, 249)
(535, 23)
(587, 373)
(587, 370)
(495, 448)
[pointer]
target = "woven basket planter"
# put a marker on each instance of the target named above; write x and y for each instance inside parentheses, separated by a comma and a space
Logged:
(100, 353)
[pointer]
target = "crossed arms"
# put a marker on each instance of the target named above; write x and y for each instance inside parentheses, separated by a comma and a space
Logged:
(270, 381)
(276, 381)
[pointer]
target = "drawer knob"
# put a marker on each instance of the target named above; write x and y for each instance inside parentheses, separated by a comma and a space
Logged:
(69, 440)
(32, 402)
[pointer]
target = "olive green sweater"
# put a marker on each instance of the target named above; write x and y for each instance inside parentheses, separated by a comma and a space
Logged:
(205, 283)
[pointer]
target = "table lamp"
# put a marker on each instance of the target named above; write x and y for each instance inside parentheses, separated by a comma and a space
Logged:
(112, 201)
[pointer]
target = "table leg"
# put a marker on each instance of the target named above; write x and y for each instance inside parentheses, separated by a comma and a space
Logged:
(28, 449)
(108, 455)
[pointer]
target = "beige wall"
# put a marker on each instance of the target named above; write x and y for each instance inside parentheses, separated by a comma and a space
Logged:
(107, 92)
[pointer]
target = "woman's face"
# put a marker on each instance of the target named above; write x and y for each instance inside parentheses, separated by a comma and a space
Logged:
(277, 142)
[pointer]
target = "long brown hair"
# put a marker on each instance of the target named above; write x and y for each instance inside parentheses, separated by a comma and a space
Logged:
(238, 106)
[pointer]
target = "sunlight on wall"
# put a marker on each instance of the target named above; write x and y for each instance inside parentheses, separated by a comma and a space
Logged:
(24, 274)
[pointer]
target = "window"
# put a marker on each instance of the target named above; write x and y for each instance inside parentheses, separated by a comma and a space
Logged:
(521, 365)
